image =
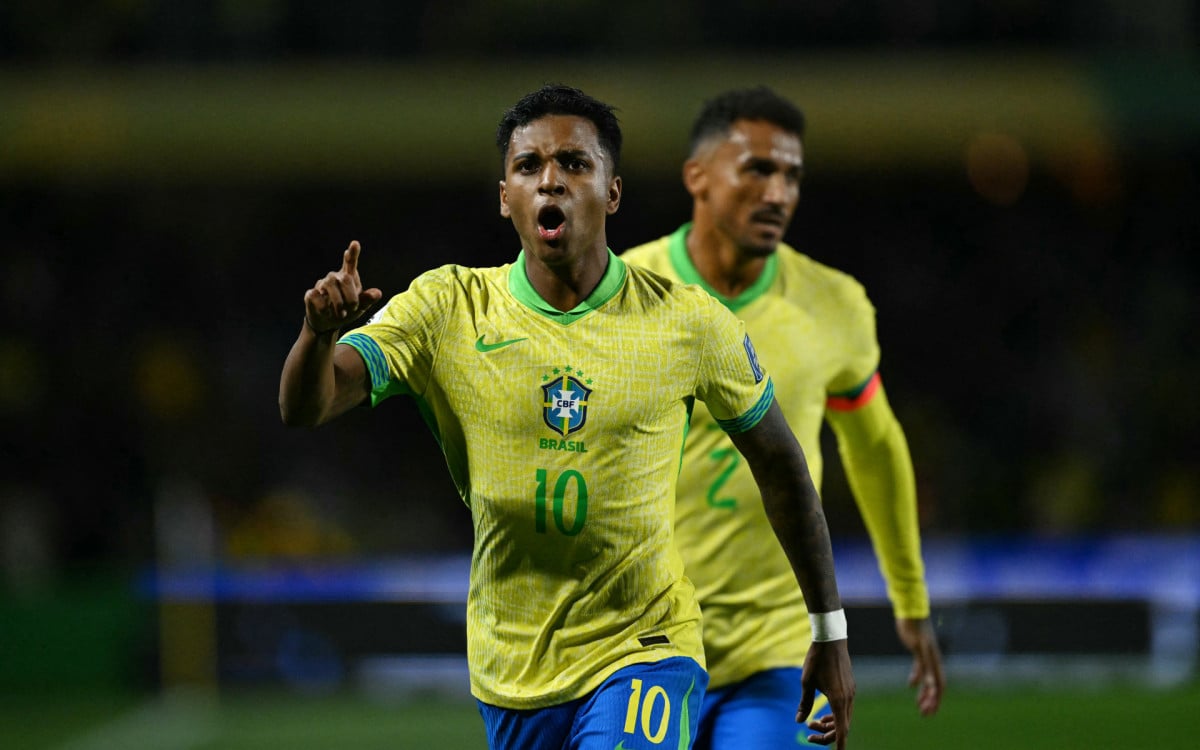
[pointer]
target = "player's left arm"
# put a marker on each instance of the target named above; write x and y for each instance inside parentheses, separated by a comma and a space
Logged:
(880, 473)
(794, 510)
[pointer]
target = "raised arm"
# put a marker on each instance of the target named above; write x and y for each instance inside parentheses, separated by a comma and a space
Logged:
(794, 510)
(320, 380)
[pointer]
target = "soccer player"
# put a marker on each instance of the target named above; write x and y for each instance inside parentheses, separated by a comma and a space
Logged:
(815, 329)
(559, 387)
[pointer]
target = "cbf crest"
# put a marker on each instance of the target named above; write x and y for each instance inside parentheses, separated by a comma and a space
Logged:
(565, 399)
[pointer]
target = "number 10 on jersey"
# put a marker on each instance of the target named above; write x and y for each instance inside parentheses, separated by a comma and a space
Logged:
(570, 482)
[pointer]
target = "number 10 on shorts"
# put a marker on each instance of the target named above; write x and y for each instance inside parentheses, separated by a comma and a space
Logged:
(645, 707)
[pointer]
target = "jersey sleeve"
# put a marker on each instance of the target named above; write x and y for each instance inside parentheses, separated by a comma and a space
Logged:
(731, 381)
(875, 455)
(399, 343)
(880, 473)
(854, 384)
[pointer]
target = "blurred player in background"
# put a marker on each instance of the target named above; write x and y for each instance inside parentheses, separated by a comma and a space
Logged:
(558, 387)
(815, 329)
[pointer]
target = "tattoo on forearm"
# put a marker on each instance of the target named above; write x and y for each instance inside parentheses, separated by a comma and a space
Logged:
(794, 511)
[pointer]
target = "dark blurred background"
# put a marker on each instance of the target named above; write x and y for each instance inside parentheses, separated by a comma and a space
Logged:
(1015, 183)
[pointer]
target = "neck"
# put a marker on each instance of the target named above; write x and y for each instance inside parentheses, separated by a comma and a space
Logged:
(564, 285)
(720, 262)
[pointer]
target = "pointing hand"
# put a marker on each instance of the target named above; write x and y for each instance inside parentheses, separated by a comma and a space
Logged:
(339, 299)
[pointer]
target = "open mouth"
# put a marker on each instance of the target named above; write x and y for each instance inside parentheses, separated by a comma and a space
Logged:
(551, 223)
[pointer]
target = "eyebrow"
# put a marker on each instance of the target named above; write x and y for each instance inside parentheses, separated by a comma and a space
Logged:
(757, 161)
(580, 153)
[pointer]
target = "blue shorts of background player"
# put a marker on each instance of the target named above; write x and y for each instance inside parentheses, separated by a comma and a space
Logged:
(642, 706)
(758, 712)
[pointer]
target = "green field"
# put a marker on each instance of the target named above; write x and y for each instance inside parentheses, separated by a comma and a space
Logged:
(975, 718)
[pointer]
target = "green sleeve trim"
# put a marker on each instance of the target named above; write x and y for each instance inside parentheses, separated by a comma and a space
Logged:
(857, 390)
(752, 417)
(382, 385)
(372, 355)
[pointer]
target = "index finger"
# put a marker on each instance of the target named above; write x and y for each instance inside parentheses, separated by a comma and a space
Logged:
(350, 257)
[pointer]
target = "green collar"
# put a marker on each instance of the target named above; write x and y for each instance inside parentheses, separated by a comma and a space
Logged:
(610, 283)
(683, 265)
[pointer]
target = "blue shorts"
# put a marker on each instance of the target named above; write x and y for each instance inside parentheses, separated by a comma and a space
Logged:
(640, 707)
(758, 712)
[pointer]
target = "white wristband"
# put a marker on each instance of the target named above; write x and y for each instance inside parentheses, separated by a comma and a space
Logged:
(828, 626)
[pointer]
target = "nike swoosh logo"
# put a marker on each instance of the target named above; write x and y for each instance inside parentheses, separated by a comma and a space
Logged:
(620, 746)
(480, 346)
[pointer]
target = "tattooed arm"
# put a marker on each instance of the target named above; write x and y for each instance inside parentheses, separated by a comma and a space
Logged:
(794, 510)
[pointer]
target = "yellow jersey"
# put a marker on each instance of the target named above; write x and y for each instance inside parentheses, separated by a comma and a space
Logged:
(815, 329)
(563, 433)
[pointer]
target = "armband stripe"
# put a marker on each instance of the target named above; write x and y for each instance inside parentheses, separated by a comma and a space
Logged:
(753, 416)
(855, 399)
(372, 355)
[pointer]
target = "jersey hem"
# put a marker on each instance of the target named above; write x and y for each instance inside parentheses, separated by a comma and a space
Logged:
(585, 688)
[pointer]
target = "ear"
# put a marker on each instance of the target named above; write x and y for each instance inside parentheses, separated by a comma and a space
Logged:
(614, 195)
(504, 212)
(695, 177)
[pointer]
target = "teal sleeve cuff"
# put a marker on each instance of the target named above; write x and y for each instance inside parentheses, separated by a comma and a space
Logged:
(752, 417)
(373, 357)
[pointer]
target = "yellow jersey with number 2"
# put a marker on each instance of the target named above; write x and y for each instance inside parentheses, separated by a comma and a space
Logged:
(815, 329)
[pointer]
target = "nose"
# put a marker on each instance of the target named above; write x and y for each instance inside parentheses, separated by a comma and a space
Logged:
(551, 182)
(778, 191)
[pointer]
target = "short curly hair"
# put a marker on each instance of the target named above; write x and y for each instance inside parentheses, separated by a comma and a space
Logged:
(557, 99)
(757, 103)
